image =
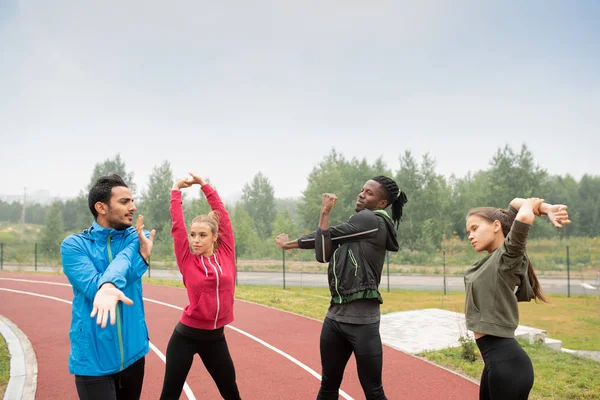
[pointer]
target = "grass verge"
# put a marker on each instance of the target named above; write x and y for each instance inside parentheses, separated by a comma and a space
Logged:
(558, 375)
(4, 366)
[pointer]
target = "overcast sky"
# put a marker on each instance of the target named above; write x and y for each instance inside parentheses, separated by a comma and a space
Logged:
(227, 89)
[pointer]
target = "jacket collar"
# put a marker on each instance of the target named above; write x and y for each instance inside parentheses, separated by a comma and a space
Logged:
(97, 232)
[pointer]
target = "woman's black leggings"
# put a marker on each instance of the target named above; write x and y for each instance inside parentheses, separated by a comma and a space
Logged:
(215, 356)
(508, 372)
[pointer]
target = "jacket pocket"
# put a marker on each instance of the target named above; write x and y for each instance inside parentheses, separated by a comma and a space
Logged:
(226, 303)
(205, 308)
(471, 309)
(107, 347)
(506, 311)
(80, 344)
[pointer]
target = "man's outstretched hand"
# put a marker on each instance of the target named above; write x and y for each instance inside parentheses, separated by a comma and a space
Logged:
(105, 304)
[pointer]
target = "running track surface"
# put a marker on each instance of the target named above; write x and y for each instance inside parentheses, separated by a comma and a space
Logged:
(262, 372)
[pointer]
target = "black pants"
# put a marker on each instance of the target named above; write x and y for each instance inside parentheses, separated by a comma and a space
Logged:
(124, 385)
(215, 356)
(338, 342)
(508, 372)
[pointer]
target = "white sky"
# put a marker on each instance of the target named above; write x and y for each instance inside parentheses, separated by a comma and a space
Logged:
(227, 89)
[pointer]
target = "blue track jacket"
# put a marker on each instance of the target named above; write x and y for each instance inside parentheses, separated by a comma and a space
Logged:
(91, 258)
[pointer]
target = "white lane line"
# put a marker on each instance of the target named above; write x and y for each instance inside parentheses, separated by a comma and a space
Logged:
(34, 281)
(160, 355)
(267, 345)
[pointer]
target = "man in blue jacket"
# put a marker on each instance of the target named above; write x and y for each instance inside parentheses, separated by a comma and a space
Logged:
(105, 264)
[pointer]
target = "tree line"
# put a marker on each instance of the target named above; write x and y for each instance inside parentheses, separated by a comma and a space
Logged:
(435, 211)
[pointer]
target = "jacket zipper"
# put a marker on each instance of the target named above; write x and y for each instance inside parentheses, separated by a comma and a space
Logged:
(118, 310)
(218, 300)
(335, 276)
(353, 261)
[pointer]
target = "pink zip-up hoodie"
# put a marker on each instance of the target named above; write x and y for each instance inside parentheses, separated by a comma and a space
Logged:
(210, 281)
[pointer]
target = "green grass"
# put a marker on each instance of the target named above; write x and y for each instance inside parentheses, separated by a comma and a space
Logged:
(4, 366)
(558, 375)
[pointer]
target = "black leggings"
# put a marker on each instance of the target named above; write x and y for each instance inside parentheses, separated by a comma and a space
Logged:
(338, 341)
(124, 385)
(215, 356)
(508, 372)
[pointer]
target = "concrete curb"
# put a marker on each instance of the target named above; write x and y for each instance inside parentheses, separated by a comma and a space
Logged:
(22, 383)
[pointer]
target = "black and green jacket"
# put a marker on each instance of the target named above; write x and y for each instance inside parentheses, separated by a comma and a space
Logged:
(356, 252)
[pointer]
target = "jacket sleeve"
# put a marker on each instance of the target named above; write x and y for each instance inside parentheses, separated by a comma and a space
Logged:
(138, 266)
(361, 225)
(179, 231)
(323, 245)
(514, 246)
(83, 274)
(226, 239)
(307, 241)
(130, 265)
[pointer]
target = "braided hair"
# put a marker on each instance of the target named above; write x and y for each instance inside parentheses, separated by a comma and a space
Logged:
(394, 196)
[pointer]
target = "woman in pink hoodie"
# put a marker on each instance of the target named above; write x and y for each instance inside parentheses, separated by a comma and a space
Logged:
(208, 271)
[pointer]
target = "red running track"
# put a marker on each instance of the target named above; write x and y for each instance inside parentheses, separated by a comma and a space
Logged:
(262, 372)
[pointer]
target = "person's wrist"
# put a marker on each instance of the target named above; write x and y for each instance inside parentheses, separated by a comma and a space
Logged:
(107, 285)
(145, 255)
(543, 209)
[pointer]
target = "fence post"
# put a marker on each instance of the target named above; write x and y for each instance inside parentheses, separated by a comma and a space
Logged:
(444, 255)
(1, 256)
(387, 254)
(283, 252)
(568, 274)
(35, 258)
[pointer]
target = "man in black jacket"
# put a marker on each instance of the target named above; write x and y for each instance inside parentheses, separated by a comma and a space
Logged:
(356, 252)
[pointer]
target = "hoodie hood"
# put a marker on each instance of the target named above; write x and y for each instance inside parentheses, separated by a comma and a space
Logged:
(392, 239)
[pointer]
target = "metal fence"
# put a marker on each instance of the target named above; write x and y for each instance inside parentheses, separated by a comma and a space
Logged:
(286, 273)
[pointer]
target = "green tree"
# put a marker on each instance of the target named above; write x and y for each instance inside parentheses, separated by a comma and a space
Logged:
(197, 206)
(513, 175)
(112, 166)
(155, 208)
(259, 201)
(284, 223)
(426, 217)
(247, 241)
(336, 175)
(84, 217)
(52, 233)
(588, 206)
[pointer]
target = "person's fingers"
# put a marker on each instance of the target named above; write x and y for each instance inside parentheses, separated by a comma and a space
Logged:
(100, 316)
(113, 316)
(94, 312)
(105, 318)
(125, 299)
(140, 222)
(152, 234)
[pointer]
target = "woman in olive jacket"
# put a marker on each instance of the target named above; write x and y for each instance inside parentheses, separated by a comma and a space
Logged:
(495, 284)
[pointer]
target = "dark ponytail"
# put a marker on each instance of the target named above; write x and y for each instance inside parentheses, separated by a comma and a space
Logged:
(394, 196)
